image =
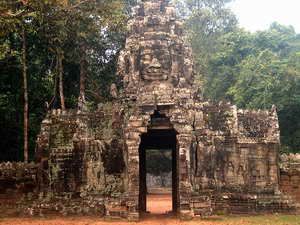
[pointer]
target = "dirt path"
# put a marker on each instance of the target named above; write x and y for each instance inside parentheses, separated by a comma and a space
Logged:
(158, 205)
(158, 220)
(149, 220)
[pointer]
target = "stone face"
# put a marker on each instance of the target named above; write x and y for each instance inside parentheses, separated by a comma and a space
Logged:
(155, 60)
(225, 159)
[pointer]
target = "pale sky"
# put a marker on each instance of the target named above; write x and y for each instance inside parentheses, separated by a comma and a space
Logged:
(259, 14)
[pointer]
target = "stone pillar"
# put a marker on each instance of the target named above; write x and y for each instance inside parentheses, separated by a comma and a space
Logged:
(42, 154)
(273, 158)
(184, 187)
(133, 179)
(135, 128)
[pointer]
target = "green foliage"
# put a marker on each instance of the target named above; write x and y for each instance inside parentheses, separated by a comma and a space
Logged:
(258, 70)
(205, 22)
(252, 70)
(52, 26)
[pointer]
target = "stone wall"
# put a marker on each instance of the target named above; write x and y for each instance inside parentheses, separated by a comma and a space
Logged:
(81, 152)
(17, 180)
(290, 175)
(232, 150)
(17, 177)
(234, 161)
(81, 157)
(245, 203)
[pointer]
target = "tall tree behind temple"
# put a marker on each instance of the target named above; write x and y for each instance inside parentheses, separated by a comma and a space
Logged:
(257, 70)
(60, 71)
(25, 90)
(205, 22)
(52, 24)
(14, 17)
(94, 33)
(83, 74)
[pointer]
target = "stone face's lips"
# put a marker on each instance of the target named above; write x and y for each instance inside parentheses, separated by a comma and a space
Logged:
(154, 76)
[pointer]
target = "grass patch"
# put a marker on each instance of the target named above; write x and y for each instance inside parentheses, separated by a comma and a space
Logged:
(257, 220)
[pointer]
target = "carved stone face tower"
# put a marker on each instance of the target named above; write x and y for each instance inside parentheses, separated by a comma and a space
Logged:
(157, 72)
(155, 61)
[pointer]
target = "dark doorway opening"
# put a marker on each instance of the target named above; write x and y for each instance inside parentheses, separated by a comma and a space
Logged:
(162, 142)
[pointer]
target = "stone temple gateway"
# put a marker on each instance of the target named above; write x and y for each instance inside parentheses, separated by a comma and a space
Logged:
(217, 147)
(224, 159)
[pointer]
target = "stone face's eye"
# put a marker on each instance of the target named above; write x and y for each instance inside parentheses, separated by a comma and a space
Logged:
(165, 61)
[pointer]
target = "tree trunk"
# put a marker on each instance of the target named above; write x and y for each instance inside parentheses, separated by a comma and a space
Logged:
(54, 101)
(83, 75)
(83, 72)
(25, 91)
(60, 75)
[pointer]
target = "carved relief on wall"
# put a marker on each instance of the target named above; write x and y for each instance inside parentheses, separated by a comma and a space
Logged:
(241, 175)
(230, 175)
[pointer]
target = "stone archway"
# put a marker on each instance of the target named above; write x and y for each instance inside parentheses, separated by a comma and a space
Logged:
(163, 139)
(139, 125)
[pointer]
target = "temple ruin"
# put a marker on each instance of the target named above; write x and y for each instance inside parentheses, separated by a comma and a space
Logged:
(224, 159)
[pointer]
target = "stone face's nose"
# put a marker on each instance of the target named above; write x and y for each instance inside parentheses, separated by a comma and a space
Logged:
(154, 68)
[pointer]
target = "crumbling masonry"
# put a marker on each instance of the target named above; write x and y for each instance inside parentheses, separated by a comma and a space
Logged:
(226, 159)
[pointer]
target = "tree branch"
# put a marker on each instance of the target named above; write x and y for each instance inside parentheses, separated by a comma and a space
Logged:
(9, 15)
(79, 4)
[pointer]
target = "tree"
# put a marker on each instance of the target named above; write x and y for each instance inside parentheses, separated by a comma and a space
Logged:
(257, 70)
(205, 22)
(60, 71)
(24, 72)
(223, 66)
(159, 162)
(15, 15)
(55, 31)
